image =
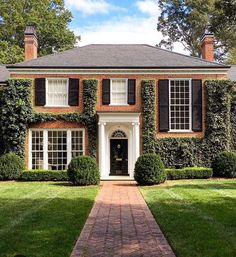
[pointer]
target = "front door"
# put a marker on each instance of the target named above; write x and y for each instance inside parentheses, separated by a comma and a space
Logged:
(119, 157)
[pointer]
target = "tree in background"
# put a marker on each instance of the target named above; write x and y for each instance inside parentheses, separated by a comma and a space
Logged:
(50, 18)
(185, 21)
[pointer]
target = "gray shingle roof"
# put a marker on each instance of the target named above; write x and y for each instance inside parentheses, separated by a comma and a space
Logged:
(118, 56)
(232, 73)
(4, 73)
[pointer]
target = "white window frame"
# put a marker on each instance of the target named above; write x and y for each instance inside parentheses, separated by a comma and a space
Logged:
(126, 96)
(190, 106)
(67, 98)
(45, 145)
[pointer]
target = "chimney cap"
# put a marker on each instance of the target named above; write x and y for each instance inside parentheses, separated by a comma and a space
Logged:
(30, 30)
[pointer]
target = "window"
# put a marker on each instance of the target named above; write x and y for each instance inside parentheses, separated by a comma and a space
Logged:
(180, 105)
(37, 149)
(53, 149)
(77, 143)
(119, 91)
(57, 92)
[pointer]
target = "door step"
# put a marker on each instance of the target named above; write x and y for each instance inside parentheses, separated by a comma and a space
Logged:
(120, 178)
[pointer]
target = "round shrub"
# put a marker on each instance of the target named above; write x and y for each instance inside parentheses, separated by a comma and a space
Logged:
(83, 170)
(224, 165)
(11, 166)
(149, 170)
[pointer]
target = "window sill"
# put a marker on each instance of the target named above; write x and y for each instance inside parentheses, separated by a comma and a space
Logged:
(58, 106)
(180, 131)
(118, 104)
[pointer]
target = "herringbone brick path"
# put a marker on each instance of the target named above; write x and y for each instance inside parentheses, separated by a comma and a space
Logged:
(120, 224)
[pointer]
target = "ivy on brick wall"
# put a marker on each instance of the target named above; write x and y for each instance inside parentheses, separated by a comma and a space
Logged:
(233, 120)
(148, 109)
(17, 114)
(194, 151)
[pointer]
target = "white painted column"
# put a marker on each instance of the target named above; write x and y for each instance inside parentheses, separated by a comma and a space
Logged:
(102, 148)
(136, 146)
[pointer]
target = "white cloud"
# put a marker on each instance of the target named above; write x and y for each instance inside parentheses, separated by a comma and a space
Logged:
(125, 30)
(148, 6)
(89, 7)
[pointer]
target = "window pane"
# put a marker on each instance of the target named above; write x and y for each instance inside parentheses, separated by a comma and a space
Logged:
(57, 92)
(119, 94)
(77, 143)
(37, 149)
(57, 150)
(179, 105)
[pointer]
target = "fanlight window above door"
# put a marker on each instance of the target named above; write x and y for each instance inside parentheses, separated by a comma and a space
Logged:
(118, 134)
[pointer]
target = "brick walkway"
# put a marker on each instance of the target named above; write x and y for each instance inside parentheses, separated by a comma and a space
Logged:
(120, 224)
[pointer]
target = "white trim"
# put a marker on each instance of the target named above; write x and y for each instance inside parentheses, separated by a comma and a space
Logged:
(126, 92)
(108, 123)
(190, 106)
(45, 144)
(67, 96)
(218, 71)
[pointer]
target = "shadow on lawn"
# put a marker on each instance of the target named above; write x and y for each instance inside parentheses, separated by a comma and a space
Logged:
(213, 186)
(43, 226)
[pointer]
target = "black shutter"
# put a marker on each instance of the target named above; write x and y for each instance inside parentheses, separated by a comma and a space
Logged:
(73, 92)
(131, 91)
(196, 105)
(106, 91)
(163, 100)
(40, 92)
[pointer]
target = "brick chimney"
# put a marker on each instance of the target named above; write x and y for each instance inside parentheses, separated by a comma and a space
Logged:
(207, 41)
(31, 43)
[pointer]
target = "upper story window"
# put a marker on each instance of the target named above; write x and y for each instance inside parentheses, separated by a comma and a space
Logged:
(57, 92)
(119, 92)
(180, 105)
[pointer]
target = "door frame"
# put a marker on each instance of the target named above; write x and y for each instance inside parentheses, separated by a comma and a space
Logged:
(127, 143)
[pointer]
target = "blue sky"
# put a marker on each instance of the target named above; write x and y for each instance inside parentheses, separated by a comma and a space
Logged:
(116, 22)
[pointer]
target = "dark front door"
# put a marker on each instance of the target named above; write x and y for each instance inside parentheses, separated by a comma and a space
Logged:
(119, 156)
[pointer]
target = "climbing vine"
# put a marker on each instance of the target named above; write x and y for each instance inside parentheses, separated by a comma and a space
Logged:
(193, 151)
(17, 114)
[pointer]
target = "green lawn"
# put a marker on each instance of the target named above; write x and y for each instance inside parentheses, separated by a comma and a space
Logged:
(198, 217)
(42, 219)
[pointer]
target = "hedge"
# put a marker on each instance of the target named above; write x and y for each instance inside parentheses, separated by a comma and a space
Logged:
(189, 173)
(44, 175)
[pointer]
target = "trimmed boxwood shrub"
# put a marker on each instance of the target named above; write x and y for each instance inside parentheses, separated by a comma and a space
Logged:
(189, 173)
(44, 175)
(11, 165)
(149, 170)
(83, 170)
(224, 165)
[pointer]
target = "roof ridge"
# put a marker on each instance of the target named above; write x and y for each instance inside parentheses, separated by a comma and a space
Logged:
(192, 57)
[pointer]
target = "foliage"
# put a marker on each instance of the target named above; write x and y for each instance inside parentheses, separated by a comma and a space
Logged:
(148, 109)
(233, 120)
(49, 213)
(149, 169)
(185, 22)
(44, 175)
(224, 165)
(11, 166)
(195, 214)
(192, 151)
(232, 56)
(52, 27)
(83, 171)
(189, 173)
(16, 113)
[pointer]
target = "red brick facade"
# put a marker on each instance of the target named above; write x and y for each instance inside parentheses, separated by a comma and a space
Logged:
(106, 108)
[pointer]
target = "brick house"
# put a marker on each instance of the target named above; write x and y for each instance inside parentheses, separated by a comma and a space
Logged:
(119, 70)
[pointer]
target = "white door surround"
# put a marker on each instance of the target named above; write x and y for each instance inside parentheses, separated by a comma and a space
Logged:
(108, 124)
